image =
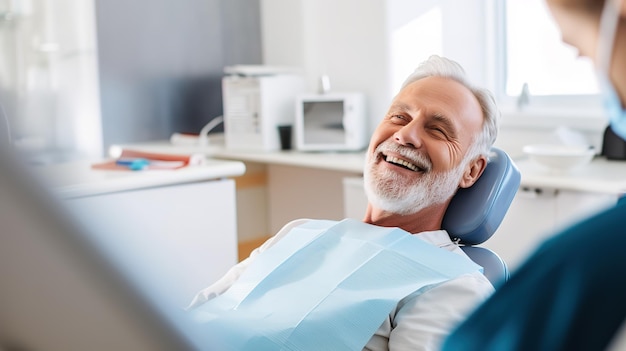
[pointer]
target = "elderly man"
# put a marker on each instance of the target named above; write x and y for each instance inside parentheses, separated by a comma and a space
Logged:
(434, 139)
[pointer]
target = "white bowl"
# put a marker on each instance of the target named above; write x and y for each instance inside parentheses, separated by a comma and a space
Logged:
(559, 157)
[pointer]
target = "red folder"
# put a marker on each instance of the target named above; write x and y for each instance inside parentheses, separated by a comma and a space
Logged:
(155, 161)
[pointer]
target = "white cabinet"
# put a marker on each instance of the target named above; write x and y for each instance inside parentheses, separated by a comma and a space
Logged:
(170, 230)
(354, 198)
(303, 192)
(535, 214)
(180, 238)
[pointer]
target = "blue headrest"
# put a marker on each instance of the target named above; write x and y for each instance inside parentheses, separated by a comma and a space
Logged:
(475, 213)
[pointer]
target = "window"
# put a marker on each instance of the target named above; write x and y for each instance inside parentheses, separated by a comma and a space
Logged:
(49, 78)
(532, 57)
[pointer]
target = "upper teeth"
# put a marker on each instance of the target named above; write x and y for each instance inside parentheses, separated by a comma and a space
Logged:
(402, 162)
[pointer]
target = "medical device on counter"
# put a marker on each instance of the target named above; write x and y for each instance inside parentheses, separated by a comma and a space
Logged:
(257, 99)
(331, 122)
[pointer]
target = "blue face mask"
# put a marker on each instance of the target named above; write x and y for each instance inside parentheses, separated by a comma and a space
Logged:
(612, 102)
(613, 106)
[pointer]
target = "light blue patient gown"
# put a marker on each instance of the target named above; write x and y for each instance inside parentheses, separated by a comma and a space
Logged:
(325, 286)
(569, 295)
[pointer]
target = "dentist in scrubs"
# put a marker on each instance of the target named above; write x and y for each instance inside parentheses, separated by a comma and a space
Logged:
(570, 294)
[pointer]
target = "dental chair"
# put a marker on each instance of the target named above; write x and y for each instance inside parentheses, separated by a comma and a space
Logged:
(475, 213)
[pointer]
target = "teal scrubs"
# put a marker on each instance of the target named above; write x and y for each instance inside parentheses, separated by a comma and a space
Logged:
(569, 295)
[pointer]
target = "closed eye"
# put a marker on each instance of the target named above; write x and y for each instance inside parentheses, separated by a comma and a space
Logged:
(442, 126)
(401, 119)
(439, 131)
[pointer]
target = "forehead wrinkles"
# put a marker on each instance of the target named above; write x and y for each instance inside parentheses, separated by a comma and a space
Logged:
(419, 105)
(434, 95)
(443, 96)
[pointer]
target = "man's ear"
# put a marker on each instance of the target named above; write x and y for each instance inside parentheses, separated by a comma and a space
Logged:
(473, 171)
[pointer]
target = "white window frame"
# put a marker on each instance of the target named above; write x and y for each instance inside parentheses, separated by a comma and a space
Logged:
(577, 111)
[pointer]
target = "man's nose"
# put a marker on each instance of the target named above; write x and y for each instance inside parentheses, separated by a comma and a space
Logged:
(409, 135)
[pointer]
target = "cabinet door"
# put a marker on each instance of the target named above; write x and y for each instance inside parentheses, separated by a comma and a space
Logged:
(574, 206)
(529, 220)
(354, 198)
(536, 214)
(178, 239)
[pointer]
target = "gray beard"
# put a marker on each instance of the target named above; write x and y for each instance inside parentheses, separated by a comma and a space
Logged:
(395, 193)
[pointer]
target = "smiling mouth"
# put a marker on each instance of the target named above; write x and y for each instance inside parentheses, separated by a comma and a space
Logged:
(403, 163)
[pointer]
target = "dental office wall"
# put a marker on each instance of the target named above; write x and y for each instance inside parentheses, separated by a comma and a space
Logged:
(161, 62)
(370, 47)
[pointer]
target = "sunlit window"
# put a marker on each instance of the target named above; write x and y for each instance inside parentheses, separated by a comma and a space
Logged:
(534, 55)
(49, 78)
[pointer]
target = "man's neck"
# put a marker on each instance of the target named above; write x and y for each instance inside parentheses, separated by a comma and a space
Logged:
(427, 219)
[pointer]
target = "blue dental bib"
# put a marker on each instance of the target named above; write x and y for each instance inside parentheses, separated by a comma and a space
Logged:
(326, 285)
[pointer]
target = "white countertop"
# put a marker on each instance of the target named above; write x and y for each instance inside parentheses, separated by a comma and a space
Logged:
(336, 161)
(78, 179)
(600, 175)
(352, 162)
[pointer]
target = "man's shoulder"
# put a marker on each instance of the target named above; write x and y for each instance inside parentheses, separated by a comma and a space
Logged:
(439, 238)
(286, 229)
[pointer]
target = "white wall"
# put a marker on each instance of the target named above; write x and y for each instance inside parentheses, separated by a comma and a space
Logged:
(371, 46)
(344, 39)
(355, 42)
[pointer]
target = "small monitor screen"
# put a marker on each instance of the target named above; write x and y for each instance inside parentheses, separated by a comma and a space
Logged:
(323, 122)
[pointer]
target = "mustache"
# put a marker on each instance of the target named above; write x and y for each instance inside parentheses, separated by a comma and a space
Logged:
(408, 153)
